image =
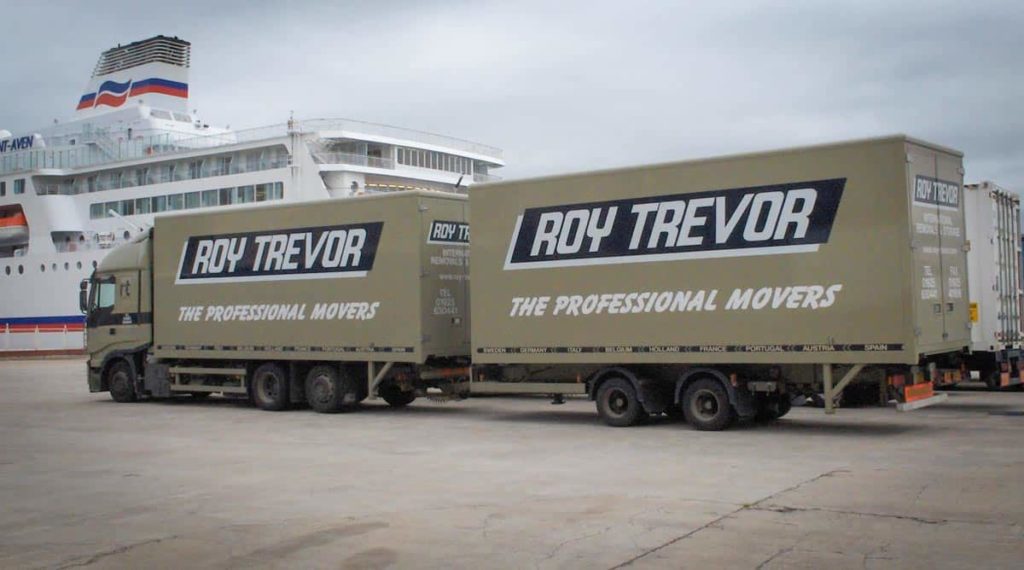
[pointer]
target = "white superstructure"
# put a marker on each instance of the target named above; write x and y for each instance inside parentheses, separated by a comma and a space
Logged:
(70, 192)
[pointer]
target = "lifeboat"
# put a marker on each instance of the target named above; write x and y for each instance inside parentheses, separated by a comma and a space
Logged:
(13, 228)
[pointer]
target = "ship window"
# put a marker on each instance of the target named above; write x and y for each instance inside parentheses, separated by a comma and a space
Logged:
(21, 269)
(3, 188)
(243, 194)
(158, 114)
(224, 166)
(53, 267)
(175, 202)
(195, 169)
(96, 211)
(262, 190)
(143, 206)
(252, 162)
(210, 198)
(19, 186)
(192, 200)
(181, 117)
(79, 265)
(127, 207)
(67, 266)
(226, 195)
(278, 191)
(91, 183)
(42, 268)
(159, 203)
(8, 269)
(142, 177)
(94, 264)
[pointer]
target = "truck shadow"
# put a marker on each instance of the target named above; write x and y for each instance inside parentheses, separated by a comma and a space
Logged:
(832, 427)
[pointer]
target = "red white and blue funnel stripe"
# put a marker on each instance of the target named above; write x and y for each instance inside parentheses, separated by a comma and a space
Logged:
(114, 94)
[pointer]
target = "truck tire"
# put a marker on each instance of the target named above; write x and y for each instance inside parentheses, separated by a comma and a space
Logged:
(618, 405)
(121, 382)
(706, 405)
(394, 395)
(270, 388)
(326, 388)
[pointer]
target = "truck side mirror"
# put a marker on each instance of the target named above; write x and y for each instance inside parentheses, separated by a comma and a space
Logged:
(83, 296)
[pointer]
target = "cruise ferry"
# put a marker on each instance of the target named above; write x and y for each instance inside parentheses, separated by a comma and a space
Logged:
(133, 150)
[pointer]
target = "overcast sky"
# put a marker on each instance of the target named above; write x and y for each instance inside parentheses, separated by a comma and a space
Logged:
(566, 85)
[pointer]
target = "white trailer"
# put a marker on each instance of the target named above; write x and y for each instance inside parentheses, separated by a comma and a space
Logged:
(994, 283)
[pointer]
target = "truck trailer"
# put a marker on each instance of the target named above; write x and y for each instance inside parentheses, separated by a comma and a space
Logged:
(711, 289)
(723, 287)
(992, 216)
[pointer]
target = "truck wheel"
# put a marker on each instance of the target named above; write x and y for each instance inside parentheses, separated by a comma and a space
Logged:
(707, 406)
(394, 395)
(270, 388)
(326, 389)
(121, 382)
(618, 405)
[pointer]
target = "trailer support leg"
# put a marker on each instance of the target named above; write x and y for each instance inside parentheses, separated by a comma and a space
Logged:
(832, 392)
(374, 378)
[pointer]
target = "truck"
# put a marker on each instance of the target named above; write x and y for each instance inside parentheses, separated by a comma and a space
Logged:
(713, 290)
(992, 215)
(321, 302)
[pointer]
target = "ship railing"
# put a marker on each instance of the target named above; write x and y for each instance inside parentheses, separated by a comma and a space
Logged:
(364, 128)
(353, 159)
(102, 146)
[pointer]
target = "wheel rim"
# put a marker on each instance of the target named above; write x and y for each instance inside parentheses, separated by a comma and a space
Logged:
(618, 401)
(120, 382)
(322, 389)
(269, 387)
(705, 405)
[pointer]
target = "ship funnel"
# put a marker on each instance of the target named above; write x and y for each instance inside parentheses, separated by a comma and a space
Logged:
(155, 70)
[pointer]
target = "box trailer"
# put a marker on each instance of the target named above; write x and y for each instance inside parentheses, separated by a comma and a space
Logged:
(721, 287)
(992, 216)
(328, 302)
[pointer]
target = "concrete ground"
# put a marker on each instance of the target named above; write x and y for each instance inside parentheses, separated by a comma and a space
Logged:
(497, 483)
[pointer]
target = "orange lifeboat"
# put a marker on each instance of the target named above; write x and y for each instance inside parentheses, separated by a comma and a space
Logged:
(13, 228)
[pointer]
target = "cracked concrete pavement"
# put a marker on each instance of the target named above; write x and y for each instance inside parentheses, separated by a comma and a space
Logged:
(497, 483)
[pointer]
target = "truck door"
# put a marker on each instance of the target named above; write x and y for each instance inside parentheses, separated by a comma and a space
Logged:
(114, 320)
(940, 262)
(930, 325)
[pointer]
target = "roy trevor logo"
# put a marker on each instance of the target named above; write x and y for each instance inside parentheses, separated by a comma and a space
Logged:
(302, 253)
(783, 218)
(448, 233)
(937, 192)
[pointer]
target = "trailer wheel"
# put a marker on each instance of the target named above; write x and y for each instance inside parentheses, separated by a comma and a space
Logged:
(394, 395)
(618, 405)
(326, 388)
(706, 405)
(121, 382)
(270, 388)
